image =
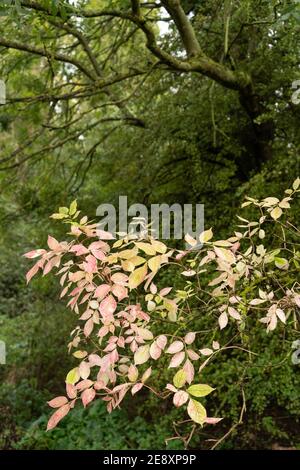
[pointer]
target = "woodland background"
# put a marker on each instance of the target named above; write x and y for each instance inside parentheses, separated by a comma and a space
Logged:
(199, 109)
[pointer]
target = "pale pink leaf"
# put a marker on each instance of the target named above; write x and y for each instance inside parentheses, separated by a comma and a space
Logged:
(53, 243)
(189, 338)
(180, 398)
(161, 341)
(155, 351)
(223, 320)
(59, 414)
(102, 291)
(87, 396)
(57, 402)
(175, 347)
(88, 327)
(108, 306)
(177, 359)
(137, 387)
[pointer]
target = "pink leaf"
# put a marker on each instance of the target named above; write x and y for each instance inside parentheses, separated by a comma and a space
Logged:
(189, 371)
(102, 291)
(119, 291)
(79, 250)
(34, 253)
(108, 306)
(189, 338)
(57, 402)
(71, 391)
(32, 272)
(171, 388)
(99, 254)
(95, 360)
(155, 350)
(161, 341)
(88, 327)
(175, 347)
(137, 387)
(234, 313)
(104, 235)
(57, 416)
(84, 370)
(177, 359)
(53, 244)
(87, 396)
(180, 398)
(83, 384)
(120, 279)
(212, 420)
(223, 320)
(206, 352)
(165, 291)
(90, 264)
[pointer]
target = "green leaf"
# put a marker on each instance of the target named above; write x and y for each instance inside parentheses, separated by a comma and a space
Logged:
(58, 216)
(63, 210)
(200, 390)
(179, 378)
(73, 207)
(196, 411)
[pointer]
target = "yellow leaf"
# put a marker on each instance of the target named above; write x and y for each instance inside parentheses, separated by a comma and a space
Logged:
(137, 260)
(200, 390)
(137, 277)
(159, 246)
(179, 378)
(127, 254)
(206, 236)
(73, 376)
(276, 213)
(80, 354)
(73, 207)
(154, 263)
(127, 265)
(147, 248)
(142, 354)
(196, 411)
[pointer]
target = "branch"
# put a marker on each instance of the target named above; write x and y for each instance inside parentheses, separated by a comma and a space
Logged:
(184, 27)
(136, 7)
(10, 44)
